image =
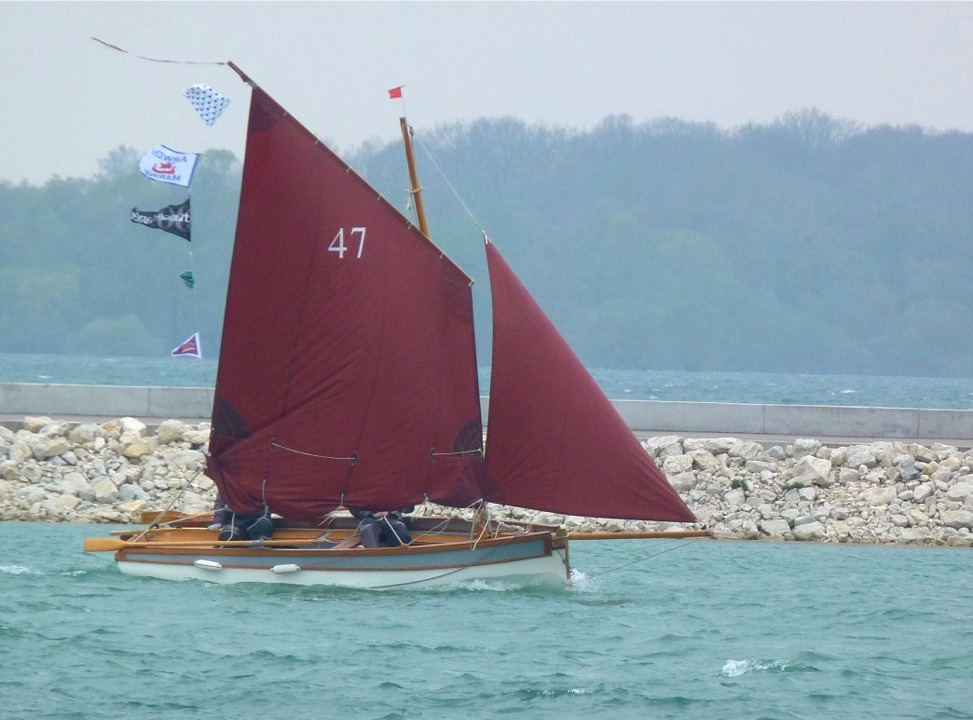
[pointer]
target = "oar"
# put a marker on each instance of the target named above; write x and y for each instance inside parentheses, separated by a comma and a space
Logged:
(648, 534)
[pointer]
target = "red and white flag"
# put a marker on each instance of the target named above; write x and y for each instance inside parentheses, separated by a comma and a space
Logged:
(169, 166)
(190, 348)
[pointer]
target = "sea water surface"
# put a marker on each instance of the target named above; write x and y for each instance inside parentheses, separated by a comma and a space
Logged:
(647, 629)
(732, 387)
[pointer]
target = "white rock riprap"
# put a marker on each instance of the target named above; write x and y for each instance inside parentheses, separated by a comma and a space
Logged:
(107, 472)
(881, 492)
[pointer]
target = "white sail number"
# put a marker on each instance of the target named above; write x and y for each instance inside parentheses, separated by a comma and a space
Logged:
(338, 244)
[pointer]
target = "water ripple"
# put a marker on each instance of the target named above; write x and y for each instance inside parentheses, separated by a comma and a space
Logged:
(730, 630)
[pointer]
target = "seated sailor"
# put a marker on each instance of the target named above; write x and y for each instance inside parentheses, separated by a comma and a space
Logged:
(382, 528)
(221, 514)
(242, 526)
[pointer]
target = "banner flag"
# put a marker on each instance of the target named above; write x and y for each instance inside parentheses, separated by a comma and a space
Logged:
(209, 104)
(173, 219)
(396, 92)
(190, 348)
(187, 277)
(169, 166)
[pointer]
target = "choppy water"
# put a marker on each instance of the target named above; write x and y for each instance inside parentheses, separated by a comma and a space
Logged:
(650, 629)
(737, 387)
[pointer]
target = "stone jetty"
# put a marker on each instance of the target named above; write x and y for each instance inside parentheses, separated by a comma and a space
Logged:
(880, 492)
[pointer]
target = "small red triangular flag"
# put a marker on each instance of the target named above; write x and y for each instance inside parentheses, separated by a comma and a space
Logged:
(190, 348)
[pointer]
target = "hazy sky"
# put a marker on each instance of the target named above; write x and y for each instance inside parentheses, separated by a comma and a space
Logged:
(67, 101)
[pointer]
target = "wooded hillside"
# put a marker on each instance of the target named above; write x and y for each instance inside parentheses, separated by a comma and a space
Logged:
(806, 245)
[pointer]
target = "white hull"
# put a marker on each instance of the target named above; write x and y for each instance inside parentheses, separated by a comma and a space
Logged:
(549, 569)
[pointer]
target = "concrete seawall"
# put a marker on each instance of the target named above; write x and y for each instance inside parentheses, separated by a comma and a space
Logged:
(645, 417)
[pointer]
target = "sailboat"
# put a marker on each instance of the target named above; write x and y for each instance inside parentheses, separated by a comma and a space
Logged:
(348, 379)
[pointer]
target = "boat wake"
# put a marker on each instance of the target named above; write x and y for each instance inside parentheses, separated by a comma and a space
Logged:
(581, 582)
(16, 570)
(508, 584)
(483, 586)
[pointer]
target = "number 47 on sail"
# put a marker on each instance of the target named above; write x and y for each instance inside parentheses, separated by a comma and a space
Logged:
(338, 244)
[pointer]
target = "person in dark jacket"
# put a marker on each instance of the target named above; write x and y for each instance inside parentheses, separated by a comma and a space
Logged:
(382, 528)
(234, 526)
(248, 526)
(222, 515)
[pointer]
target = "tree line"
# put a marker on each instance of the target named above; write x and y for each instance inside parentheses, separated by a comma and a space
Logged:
(809, 244)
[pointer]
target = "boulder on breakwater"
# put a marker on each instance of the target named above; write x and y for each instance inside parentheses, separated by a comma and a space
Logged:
(880, 492)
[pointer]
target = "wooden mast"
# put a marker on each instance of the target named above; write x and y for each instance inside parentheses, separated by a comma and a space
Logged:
(416, 190)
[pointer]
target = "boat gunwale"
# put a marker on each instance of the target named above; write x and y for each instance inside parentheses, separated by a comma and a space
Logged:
(175, 548)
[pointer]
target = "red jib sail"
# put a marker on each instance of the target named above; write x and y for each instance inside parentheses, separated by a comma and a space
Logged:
(347, 371)
(554, 441)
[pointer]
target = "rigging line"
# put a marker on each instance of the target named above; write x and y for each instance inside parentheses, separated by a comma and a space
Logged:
(158, 60)
(441, 527)
(175, 523)
(436, 530)
(487, 555)
(453, 454)
(168, 507)
(195, 301)
(392, 528)
(446, 180)
(646, 557)
(274, 443)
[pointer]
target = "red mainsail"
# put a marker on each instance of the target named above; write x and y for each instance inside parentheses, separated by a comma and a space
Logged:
(347, 371)
(554, 440)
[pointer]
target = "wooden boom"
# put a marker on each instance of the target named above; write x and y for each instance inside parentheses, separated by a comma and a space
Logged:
(648, 534)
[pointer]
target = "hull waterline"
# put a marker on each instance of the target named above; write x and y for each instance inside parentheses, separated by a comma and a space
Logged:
(546, 570)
